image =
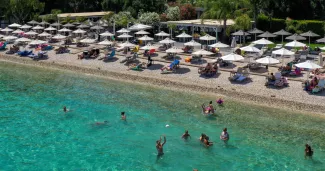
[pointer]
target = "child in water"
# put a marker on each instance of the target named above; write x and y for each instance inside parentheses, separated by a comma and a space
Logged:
(220, 101)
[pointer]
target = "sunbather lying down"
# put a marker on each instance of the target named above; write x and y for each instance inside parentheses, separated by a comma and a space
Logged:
(137, 67)
(171, 67)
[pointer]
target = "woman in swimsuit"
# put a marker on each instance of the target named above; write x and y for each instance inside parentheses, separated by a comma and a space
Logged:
(160, 146)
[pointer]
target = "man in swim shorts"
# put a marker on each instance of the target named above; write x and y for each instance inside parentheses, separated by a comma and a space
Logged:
(160, 146)
(186, 135)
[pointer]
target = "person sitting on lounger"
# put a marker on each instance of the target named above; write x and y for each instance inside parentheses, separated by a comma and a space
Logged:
(313, 83)
(271, 77)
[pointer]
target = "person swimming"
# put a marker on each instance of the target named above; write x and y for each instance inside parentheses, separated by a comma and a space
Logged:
(308, 151)
(206, 142)
(65, 109)
(186, 135)
(220, 101)
(159, 147)
(123, 116)
(208, 109)
(224, 135)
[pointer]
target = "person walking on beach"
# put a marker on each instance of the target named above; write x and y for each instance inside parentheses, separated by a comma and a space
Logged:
(308, 151)
(186, 135)
(123, 116)
(224, 135)
(159, 147)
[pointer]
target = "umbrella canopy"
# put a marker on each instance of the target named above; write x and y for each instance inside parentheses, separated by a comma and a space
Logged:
(31, 33)
(105, 42)
(308, 65)
(107, 34)
(83, 26)
(149, 47)
(256, 31)
(240, 33)
(59, 37)
(33, 22)
(68, 25)
(207, 37)
(79, 31)
(137, 27)
(322, 40)
(250, 49)
(87, 40)
(167, 41)
(97, 28)
(282, 33)
(202, 52)
(123, 30)
(192, 43)
(283, 52)
(162, 33)
(44, 34)
(43, 23)
(268, 60)
(322, 48)
(14, 25)
(309, 34)
(18, 31)
(184, 35)
(219, 45)
(263, 41)
(295, 44)
(25, 27)
(38, 27)
(232, 57)
(76, 23)
(295, 37)
(65, 30)
(23, 39)
(127, 44)
(10, 38)
(146, 38)
(56, 24)
(142, 32)
(174, 50)
(267, 35)
(37, 42)
(7, 29)
(50, 29)
(124, 35)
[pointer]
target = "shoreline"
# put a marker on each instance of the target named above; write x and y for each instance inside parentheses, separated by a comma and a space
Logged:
(249, 98)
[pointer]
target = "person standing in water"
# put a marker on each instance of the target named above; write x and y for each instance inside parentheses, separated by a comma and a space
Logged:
(308, 151)
(186, 135)
(159, 147)
(65, 109)
(224, 135)
(123, 116)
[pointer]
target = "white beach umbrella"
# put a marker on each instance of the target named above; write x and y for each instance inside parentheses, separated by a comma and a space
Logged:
(142, 32)
(64, 30)
(33, 22)
(14, 25)
(263, 41)
(207, 37)
(123, 30)
(268, 60)
(283, 52)
(295, 37)
(192, 43)
(59, 37)
(149, 47)
(87, 40)
(83, 26)
(37, 42)
(31, 33)
(322, 48)
(23, 39)
(68, 25)
(127, 44)
(97, 28)
(44, 34)
(44, 23)
(18, 31)
(9, 38)
(50, 29)
(308, 65)
(137, 27)
(322, 40)
(107, 33)
(146, 38)
(250, 49)
(25, 27)
(202, 52)
(295, 44)
(79, 31)
(167, 41)
(56, 24)
(7, 29)
(232, 57)
(38, 27)
(124, 35)
(219, 45)
(174, 50)
(184, 35)
(105, 42)
(162, 34)
(267, 35)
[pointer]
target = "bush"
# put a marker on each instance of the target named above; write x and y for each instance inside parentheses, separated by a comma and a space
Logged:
(270, 24)
(149, 18)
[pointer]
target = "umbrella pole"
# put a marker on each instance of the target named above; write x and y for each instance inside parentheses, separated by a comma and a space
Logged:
(255, 36)
(309, 41)
(282, 39)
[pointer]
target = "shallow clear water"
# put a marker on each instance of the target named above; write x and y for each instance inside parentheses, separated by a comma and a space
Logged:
(36, 135)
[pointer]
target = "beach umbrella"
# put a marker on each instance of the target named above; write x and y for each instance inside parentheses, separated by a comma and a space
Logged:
(184, 35)
(167, 41)
(105, 42)
(123, 30)
(145, 38)
(79, 31)
(9, 38)
(295, 44)
(50, 29)
(282, 33)
(44, 34)
(267, 35)
(23, 39)
(107, 34)
(124, 35)
(240, 33)
(31, 33)
(18, 31)
(232, 57)
(250, 49)
(137, 27)
(76, 23)
(33, 22)
(56, 24)
(255, 31)
(25, 27)
(192, 43)
(174, 50)
(59, 37)
(283, 52)
(64, 30)
(202, 52)
(207, 37)
(37, 42)
(68, 25)
(83, 26)
(43, 23)
(308, 65)
(127, 44)
(97, 28)
(14, 25)
(87, 40)
(142, 32)
(219, 45)
(268, 60)
(322, 40)
(162, 34)
(38, 27)
(309, 34)
(7, 29)
(295, 37)
(149, 47)
(262, 41)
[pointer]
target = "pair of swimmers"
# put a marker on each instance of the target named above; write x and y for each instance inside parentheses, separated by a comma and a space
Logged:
(210, 109)
(205, 140)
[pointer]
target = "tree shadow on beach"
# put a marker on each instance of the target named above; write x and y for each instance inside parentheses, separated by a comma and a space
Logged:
(247, 81)
(182, 70)
(155, 67)
(210, 77)
(110, 60)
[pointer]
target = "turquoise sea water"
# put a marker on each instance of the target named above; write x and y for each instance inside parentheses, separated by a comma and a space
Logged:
(36, 135)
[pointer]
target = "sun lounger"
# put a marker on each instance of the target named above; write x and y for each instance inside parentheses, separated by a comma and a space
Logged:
(3, 46)
(280, 81)
(24, 53)
(208, 70)
(110, 56)
(171, 68)
(137, 67)
(129, 59)
(320, 86)
(240, 75)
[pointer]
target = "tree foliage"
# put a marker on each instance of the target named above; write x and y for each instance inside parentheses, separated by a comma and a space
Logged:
(122, 18)
(173, 13)
(149, 18)
(187, 12)
(22, 10)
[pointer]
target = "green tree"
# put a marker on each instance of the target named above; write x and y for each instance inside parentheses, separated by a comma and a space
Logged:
(173, 13)
(122, 18)
(243, 22)
(149, 18)
(22, 10)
